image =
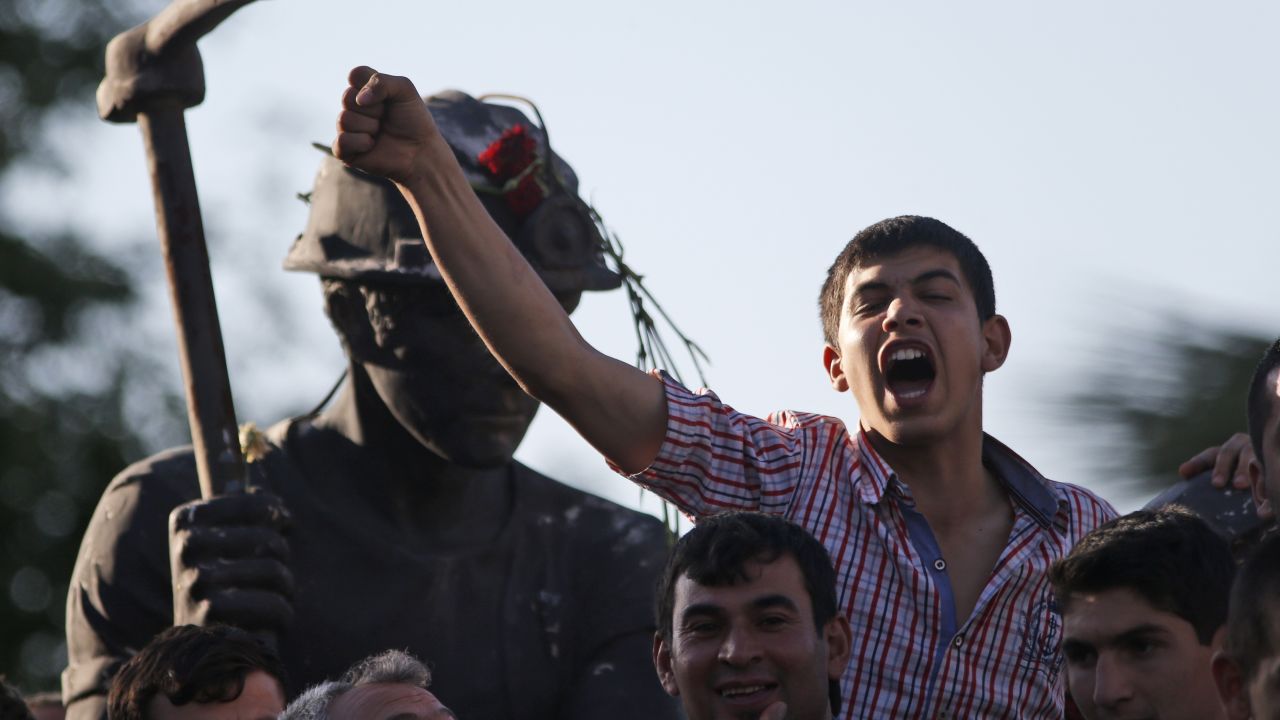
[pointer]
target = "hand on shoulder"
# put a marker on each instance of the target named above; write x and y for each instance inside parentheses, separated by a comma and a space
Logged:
(1228, 461)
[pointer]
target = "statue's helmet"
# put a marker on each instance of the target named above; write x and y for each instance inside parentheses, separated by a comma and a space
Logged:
(361, 229)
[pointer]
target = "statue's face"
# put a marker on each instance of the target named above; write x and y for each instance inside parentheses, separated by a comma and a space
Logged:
(439, 381)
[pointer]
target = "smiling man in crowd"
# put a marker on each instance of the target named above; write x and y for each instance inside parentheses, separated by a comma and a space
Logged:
(1144, 602)
(941, 536)
(747, 622)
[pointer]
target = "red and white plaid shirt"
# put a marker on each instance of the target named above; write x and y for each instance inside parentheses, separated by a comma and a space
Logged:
(912, 657)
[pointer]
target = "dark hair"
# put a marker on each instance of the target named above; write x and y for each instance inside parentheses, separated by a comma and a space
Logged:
(718, 549)
(1255, 602)
(893, 236)
(187, 664)
(1261, 405)
(1171, 558)
(12, 706)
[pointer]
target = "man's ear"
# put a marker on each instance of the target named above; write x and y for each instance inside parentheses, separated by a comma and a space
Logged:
(1259, 489)
(835, 372)
(1232, 691)
(997, 337)
(662, 663)
(839, 639)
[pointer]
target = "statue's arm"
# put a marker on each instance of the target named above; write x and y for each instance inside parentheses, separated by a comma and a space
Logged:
(119, 595)
(385, 129)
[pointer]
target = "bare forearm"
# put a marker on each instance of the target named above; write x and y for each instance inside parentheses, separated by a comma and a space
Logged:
(617, 408)
(520, 320)
(385, 129)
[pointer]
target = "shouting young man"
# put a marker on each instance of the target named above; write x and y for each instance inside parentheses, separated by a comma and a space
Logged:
(940, 535)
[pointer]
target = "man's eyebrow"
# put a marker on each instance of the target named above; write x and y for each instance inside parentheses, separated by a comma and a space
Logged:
(700, 609)
(868, 285)
(935, 274)
(927, 275)
(774, 601)
(1137, 632)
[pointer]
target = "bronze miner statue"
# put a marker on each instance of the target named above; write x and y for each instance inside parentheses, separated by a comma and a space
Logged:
(396, 517)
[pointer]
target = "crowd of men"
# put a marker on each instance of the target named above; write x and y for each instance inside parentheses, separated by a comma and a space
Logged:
(748, 627)
(912, 566)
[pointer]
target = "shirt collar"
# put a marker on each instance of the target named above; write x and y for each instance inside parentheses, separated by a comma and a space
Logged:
(1025, 485)
(877, 476)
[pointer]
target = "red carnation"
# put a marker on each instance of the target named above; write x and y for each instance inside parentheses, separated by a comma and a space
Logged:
(525, 196)
(510, 154)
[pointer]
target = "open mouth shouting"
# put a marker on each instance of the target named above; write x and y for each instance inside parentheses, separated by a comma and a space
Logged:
(908, 370)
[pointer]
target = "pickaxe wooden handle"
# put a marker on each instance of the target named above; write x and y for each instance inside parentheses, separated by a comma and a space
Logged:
(154, 73)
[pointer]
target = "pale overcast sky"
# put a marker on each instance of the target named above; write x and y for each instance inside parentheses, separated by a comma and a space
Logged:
(1109, 158)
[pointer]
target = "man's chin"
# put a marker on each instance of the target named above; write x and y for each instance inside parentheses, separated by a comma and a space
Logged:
(906, 431)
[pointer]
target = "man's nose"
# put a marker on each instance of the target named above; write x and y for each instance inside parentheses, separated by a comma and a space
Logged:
(901, 313)
(1112, 684)
(740, 648)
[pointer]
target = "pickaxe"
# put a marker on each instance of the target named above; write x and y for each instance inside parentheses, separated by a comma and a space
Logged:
(154, 73)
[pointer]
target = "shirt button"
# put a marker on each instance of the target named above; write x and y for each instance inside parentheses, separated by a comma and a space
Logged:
(939, 564)
(958, 641)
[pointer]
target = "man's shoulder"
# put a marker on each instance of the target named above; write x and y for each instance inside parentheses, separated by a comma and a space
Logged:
(1074, 509)
(169, 473)
(577, 514)
(800, 420)
(166, 479)
(1086, 509)
(125, 541)
(172, 472)
(1076, 493)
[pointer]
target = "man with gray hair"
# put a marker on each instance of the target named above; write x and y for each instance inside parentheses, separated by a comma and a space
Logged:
(392, 684)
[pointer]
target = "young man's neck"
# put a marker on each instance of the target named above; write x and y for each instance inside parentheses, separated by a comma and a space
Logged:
(946, 475)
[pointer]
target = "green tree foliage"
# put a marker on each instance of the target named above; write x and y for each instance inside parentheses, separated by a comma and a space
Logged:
(1156, 398)
(63, 399)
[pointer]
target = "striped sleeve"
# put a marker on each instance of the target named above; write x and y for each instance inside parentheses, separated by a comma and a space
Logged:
(1088, 511)
(714, 459)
